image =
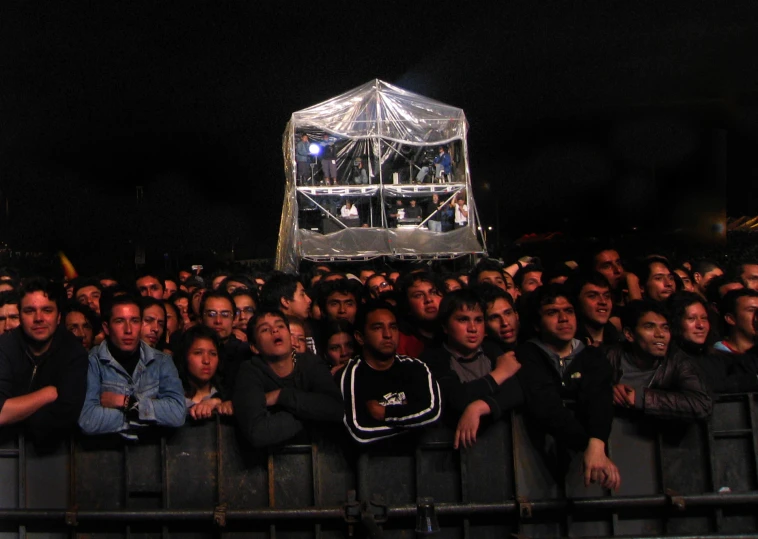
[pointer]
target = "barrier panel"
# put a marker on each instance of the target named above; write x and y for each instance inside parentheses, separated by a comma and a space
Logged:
(683, 480)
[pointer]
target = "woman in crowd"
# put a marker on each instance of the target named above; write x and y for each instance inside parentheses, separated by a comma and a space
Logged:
(197, 361)
(339, 344)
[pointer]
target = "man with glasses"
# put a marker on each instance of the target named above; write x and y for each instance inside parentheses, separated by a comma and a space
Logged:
(217, 311)
(378, 287)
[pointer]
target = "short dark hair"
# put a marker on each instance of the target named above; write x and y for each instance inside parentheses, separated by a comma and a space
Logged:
(260, 313)
(529, 268)
(106, 307)
(331, 328)
(544, 295)
(53, 291)
(76, 307)
(643, 269)
(155, 274)
(728, 304)
(280, 285)
(81, 283)
(712, 293)
(338, 286)
(246, 281)
(145, 302)
(368, 308)
(489, 293)
(407, 281)
(576, 282)
(634, 310)
(704, 266)
(216, 294)
(485, 264)
(9, 297)
(455, 300)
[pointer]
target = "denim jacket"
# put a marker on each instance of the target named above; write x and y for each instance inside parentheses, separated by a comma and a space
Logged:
(155, 385)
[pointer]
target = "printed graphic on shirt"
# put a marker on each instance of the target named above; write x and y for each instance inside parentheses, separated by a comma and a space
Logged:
(394, 399)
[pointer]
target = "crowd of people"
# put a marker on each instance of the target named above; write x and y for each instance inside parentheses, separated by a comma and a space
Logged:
(378, 353)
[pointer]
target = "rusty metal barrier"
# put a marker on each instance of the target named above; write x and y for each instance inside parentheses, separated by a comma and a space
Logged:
(679, 480)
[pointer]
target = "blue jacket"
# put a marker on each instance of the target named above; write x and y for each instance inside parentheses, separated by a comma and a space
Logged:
(444, 160)
(155, 385)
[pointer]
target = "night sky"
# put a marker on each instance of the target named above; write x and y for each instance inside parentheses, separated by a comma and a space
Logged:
(582, 115)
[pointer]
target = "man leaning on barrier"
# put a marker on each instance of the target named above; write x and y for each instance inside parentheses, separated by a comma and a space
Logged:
(129, 384)
(42, 367)
(555, 366)
(647, 376)
(385, 394)
(278, 391)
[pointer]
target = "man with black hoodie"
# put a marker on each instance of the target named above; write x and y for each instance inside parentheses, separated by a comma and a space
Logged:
(43, 368)
(555, 366)
(278, 391)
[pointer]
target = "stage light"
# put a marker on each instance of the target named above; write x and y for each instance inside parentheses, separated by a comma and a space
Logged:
(315, 149)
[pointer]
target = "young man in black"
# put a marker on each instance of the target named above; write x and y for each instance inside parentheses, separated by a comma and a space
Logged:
(592, 295)
(385, 394)
(555, 367)
(477, 379)
(277, 391)
(43, 368)
(647, 377)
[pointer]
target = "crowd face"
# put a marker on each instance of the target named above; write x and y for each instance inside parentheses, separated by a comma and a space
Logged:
(300, 304)
(153, 325)
(340, 348)
(170, 288)
(557, 321)
(218, 315)
(244, 311)
(703, 280)
(609, 264)
(510, 286)
(197, 299)
(150, 286)
(217, 280)
(39, 317)
(687, 284)
(532, 281)
(424, 301)
(695, 324)
(123, 329)
(80, 327)
(660, 284)
(495, 278)
(743, 319)
(380, 335)
(341, 307)
(502, 321)
(651, 334)
(231, 286)
(749, 276)
(465, 330)
(89, 296)
(202, 360)
(452, 284)
(184, 275)
(10, 318)
(297, 335)
(172, 321)
(377, 285)
(595, 304)
(182, 304)
(272, 337)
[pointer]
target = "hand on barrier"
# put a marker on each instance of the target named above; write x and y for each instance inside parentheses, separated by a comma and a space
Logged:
(204, 409)
(225, 408)
(468, 424)
(598, 468)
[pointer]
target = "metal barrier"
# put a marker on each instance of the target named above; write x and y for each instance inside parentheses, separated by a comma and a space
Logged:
(200, 482)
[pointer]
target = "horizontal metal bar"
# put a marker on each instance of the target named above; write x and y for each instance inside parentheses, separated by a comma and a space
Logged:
(338, 512)
(8, 453)
(736, 433)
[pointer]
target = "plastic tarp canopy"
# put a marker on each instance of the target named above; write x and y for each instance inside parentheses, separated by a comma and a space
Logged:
(381, 135)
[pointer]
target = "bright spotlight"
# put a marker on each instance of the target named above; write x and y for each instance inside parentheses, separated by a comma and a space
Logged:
(315, 149)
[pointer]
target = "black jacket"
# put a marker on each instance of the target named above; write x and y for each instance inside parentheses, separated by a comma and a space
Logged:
(457, 395)
(309, 393)
(676, 391)
(586, 380)
(64, 366)
(234, 353)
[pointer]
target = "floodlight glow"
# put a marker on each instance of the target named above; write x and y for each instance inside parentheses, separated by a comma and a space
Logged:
(315, 149)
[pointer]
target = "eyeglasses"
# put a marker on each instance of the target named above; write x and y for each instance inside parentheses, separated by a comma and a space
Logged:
(246, 310)
(215, 314)
(380, 286)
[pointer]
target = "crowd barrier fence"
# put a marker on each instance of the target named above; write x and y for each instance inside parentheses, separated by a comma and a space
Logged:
(199, 482)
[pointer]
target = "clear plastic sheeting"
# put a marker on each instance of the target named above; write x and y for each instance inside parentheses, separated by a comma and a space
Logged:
(376, 171)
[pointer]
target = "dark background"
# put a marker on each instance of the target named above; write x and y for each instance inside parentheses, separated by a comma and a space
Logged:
(588, 118)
